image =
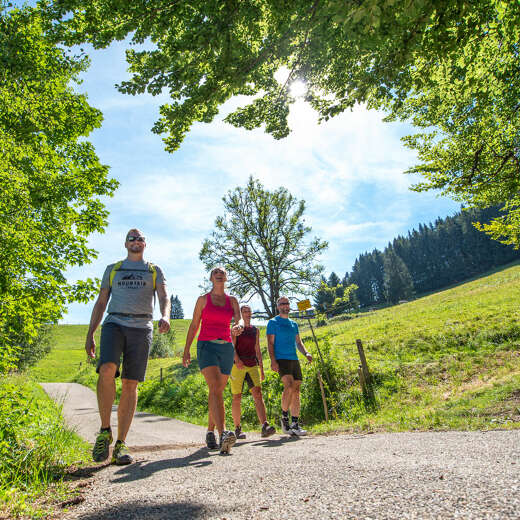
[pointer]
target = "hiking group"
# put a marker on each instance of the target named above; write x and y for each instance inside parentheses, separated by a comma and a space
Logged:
(129, 288)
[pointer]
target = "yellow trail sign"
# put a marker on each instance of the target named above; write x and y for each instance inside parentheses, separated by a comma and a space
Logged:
(304, 305)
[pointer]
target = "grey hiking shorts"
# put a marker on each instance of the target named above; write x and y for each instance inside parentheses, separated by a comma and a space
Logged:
(130, 342)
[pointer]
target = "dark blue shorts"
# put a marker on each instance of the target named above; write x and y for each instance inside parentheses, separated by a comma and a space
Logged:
(132, 343)
(211, 354)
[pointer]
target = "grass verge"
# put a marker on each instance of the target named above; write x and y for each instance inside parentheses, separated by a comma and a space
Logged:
(36, 449)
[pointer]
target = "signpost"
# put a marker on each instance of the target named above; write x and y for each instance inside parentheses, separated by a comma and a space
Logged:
(302, 307)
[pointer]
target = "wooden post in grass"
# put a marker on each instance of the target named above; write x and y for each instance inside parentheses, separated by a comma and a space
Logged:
(362, 382)
(363, 359)
(365, 379)
(323, 397)
(161, 374)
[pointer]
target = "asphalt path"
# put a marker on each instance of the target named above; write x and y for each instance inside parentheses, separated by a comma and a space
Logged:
(80, 411)
(426, 475)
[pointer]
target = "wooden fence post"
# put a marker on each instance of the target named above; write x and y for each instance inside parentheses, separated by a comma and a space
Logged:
(362, 381)
(363, 359)
(161, 374)
(365, 379)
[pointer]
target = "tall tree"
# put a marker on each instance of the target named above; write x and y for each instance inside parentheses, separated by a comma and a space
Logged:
(367, 274)
(397, 280)
(333, 280)
(176, 311)
(261, 240)
(51, 181)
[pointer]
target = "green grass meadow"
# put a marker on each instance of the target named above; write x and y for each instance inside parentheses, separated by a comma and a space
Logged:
(449, 360)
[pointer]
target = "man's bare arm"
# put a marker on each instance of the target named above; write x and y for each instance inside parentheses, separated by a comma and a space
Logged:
(95, 320)
(270, 349)
(164, 305)
(301, 347)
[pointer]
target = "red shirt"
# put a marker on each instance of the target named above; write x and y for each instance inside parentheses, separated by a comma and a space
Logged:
(245, 346)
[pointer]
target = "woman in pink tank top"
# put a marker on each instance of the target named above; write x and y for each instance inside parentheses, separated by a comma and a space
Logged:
(215, 352)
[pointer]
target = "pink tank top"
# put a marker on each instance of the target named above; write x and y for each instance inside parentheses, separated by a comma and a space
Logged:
(216, 321)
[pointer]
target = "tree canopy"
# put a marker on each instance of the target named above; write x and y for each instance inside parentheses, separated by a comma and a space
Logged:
(261, 240)
(51, 181)
(450, 67)
(204, 52)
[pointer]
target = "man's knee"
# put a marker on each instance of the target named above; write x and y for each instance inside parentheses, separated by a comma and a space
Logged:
(107, 371)
(288, 383)
(129, 385)
(237, 398)
(296, 386)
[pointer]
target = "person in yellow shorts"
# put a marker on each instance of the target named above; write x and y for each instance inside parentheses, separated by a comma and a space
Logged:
(248, 367)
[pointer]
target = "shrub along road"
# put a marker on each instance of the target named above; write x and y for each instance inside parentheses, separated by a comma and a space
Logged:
(399, 475)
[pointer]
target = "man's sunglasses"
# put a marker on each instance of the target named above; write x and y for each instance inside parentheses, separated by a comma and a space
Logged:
(134, 239)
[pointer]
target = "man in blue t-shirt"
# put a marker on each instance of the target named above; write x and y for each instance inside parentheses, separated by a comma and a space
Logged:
(283, 338)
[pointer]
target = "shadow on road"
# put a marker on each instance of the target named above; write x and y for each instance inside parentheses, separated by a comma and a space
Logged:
(142, 470)
(269, 442)
(138, 510)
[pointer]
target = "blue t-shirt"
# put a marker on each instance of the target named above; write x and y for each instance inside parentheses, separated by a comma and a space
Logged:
(285, 332)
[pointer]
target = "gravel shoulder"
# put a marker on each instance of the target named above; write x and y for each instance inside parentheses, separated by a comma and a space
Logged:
(428, 475)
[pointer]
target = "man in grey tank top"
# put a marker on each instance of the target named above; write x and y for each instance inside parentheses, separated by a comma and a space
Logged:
(130, 285)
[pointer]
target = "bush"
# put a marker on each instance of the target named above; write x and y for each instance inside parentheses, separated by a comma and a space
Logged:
(185, 394)
(163, 345)
(30, 351)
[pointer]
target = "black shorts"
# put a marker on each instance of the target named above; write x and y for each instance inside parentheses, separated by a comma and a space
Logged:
(132, 342)
(290, 367)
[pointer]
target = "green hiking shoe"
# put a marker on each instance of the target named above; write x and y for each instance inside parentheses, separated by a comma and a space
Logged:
(100, 450)
(121, 455)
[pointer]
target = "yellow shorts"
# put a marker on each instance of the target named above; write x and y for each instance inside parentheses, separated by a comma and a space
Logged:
(238, 375)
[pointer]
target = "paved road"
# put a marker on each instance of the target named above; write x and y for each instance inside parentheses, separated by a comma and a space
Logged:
(80, 410)
(430, 475)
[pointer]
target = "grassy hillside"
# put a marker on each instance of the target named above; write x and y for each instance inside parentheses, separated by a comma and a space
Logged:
(447, 360)
(67, 356)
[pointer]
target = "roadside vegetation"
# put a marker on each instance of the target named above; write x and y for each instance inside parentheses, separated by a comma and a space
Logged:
(36, 451)
(448, 360)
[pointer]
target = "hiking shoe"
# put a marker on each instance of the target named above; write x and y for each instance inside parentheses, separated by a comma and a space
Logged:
(298, 430)
(227, 439)
(285, 426)
(211, 441)
(267, 430)
(121, 454)
(103, 442)
(238, 433)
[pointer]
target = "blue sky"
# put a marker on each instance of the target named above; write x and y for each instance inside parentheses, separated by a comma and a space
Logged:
(348, 170)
